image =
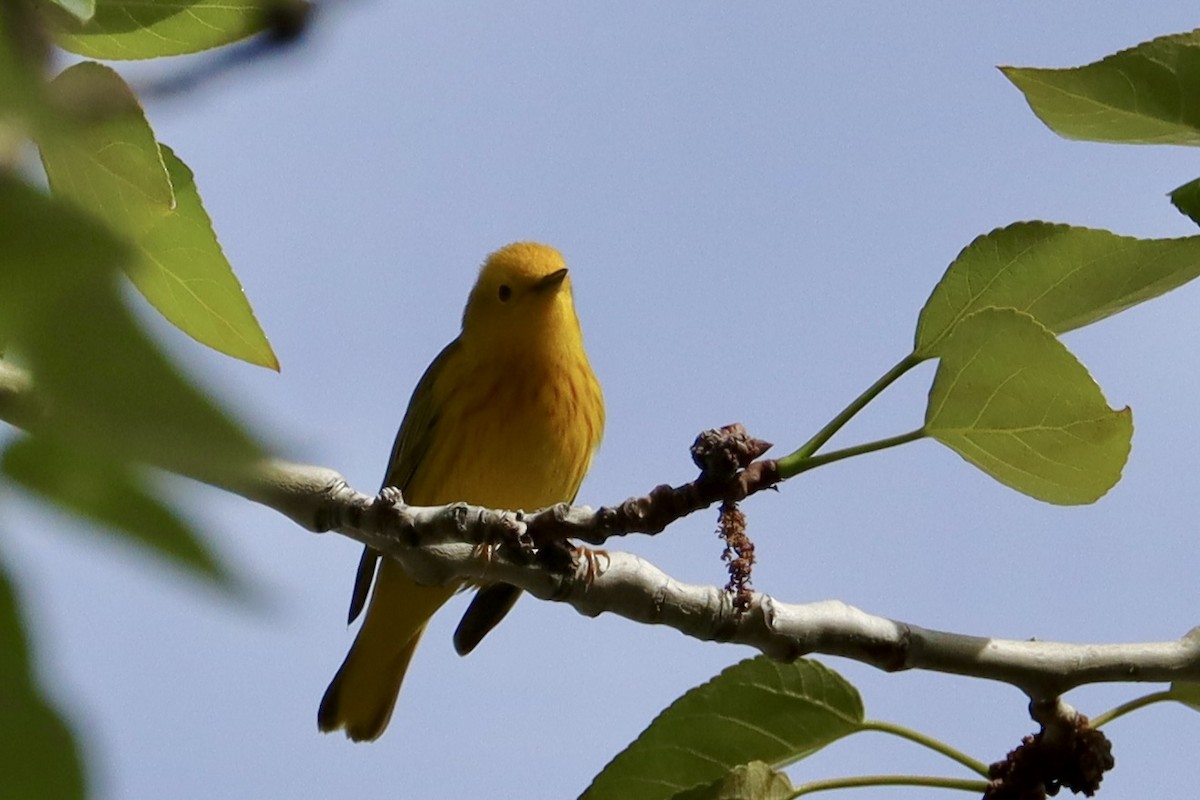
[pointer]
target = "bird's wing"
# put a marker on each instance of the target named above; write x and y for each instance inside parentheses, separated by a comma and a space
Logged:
(412, 443)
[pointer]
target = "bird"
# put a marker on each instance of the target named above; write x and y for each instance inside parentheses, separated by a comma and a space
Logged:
(507, 416)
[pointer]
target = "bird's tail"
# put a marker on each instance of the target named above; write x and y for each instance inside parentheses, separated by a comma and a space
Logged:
(363, 693)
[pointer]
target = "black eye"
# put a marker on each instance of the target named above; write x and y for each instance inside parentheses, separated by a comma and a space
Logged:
(505, 292)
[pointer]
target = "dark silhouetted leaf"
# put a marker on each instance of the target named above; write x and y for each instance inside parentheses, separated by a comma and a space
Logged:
(1186, 693)
(39, 758)
(110, 388)
(1187, 199)
(113, 494)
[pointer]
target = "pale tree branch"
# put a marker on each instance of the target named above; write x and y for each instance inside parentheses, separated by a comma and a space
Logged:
(440, 544)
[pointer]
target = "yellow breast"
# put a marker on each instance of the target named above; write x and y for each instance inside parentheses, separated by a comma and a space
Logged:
(512, 435)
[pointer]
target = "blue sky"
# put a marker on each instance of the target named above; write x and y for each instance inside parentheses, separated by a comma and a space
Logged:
(755, 202)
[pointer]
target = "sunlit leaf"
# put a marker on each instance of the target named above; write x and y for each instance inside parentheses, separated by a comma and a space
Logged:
(82, 10)
(1012, 400)
(1066, 277)
(1149, 94)
(183, 272)
(105, 158)
(110, 493)
(129, 29)
(38, 754)
(102, 154)
(757, 710)
(109, 387)
(753, 781)
(1187, 199)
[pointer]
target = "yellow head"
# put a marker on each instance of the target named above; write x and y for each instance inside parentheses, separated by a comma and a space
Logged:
(521, 299)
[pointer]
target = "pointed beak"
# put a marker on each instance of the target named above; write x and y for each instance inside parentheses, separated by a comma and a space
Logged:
(552, 280)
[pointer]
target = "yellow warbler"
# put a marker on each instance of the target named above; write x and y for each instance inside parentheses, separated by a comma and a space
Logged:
(507, 416)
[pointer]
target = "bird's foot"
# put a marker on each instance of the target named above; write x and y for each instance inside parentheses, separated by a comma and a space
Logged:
(595, 562)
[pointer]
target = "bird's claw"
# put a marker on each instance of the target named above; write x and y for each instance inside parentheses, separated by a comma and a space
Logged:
(592, 566)
(485, 551)
(389, 496)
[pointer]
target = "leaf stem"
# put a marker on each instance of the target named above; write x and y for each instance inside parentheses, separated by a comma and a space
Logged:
(857, 450)
(922, 739)
(965, 784)
(793, 460)
(1132, 705)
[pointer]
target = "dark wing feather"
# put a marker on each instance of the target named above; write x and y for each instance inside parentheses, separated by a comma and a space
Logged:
(489, 605)
(363, 579)
(412, 443)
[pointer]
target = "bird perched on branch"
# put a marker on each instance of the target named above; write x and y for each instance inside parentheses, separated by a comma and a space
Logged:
(507, 416)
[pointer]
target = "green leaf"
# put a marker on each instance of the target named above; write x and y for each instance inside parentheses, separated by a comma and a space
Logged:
(82, 10)
(21, 57)
(1187, 199)
(1065, 277)
(130, 29)
(756, 710)
(44, 239)
(1187, 693)
(102, 153)
(113, 494)
(753, 781)
(39, 757)
(182, 271)
(1149, 94)
(109, 387)
(1012, 400)
(105, 158)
